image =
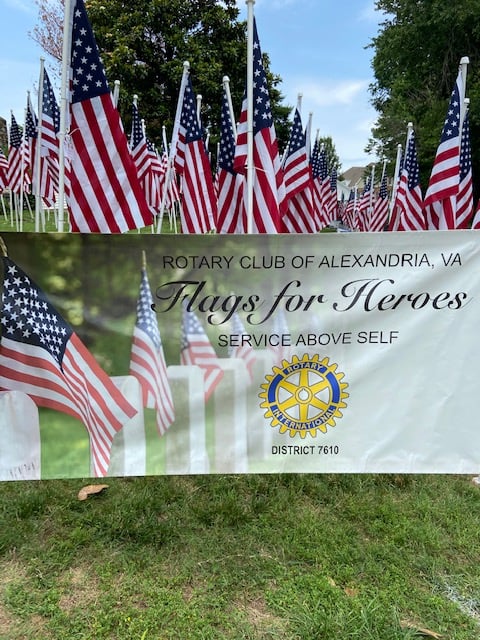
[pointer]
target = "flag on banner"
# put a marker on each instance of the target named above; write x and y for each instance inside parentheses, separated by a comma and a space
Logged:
(199, 204)
(379, 216)
(16, 158)
(407, 210)
(3, 171)
(105, 194)
(299, 217)
(268, 188)
(243, 350)
(41, 356)
(197, 350)
(465, 188)
(441, 197)
(50, 126)
(147, 361)
(229, 184)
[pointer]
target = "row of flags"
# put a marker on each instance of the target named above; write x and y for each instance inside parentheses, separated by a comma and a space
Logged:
(111, 185)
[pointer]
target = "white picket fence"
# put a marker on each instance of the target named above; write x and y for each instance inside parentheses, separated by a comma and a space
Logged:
(235, 406)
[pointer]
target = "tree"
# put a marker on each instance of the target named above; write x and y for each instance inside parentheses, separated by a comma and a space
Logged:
(144, 45)
(417, 53)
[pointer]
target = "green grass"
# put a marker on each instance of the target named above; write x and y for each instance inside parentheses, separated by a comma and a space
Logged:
(297, 557)
(28, 223)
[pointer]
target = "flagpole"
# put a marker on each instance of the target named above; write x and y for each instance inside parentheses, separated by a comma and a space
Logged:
(250, 167)
(63, 111)
(38, 152)
(370, 199)
(116, 92)
(22, 165)
(464, 62)
(173, 143)
(396, 175)
(308, 133)
(226, 86)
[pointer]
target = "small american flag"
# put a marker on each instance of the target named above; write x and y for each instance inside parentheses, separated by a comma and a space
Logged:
(105, 193)
(465, 189)
(229, 184)
(3, 171)
(50, 126)
(299, 217)
(147, 361)
(199, 203)
(41, 356)
(16, 158)
(197, 350)
(407, 210)
(268, 188)
(379, 216)
(441, 197)
(243, 350)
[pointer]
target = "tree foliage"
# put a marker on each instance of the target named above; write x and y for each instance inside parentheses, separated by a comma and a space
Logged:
(417, 53)
(144, 45)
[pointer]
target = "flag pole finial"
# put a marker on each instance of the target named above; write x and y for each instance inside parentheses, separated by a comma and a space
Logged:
(3, 248)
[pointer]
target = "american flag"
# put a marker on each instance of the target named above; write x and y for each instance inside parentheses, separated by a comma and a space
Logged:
(243, 351)
(199, 203)
(349, 212)
(30, 140)
(476, 217)
(196, 349)
(50, 126)
(105, 193)
(146, 162)
(299, 216)
(3, 171)
(441, 197)
(407, 210)
(16, 158)
(363, 206)
(147, 361)
(317, 166)
(41, 356)
(379, 216)
(229, 184)
(465, 188)
(268, 188)
(331, 201)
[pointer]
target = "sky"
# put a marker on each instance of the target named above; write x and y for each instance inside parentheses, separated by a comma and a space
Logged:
(316, 46)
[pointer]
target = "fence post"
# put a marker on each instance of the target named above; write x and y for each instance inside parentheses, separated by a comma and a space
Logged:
(128, 455)
(186, 438)
(20, 437)
(230, 410)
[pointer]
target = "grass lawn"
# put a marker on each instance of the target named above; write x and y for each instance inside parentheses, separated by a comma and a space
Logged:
(297, 557)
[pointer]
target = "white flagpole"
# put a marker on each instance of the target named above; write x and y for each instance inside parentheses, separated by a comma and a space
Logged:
(250, 167)
(308, 133)
(173, 143)
(226, 86)
(38, 154)
(370, 199)
(116, 92)
(64, 101)
(396, 176)
(464, 62)
(199, 109)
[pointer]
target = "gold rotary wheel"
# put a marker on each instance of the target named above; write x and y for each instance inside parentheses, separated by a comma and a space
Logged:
(304, 395)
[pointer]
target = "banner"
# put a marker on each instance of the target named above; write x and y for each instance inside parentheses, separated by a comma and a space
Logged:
(146, 354)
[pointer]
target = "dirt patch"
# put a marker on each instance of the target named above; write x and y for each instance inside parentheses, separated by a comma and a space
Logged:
(79, 589)
(260, 617)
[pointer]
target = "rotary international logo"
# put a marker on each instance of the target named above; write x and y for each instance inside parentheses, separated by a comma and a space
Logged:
(304, 395)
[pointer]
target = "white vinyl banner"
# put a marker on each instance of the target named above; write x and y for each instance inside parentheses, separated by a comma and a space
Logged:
(328, 353)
